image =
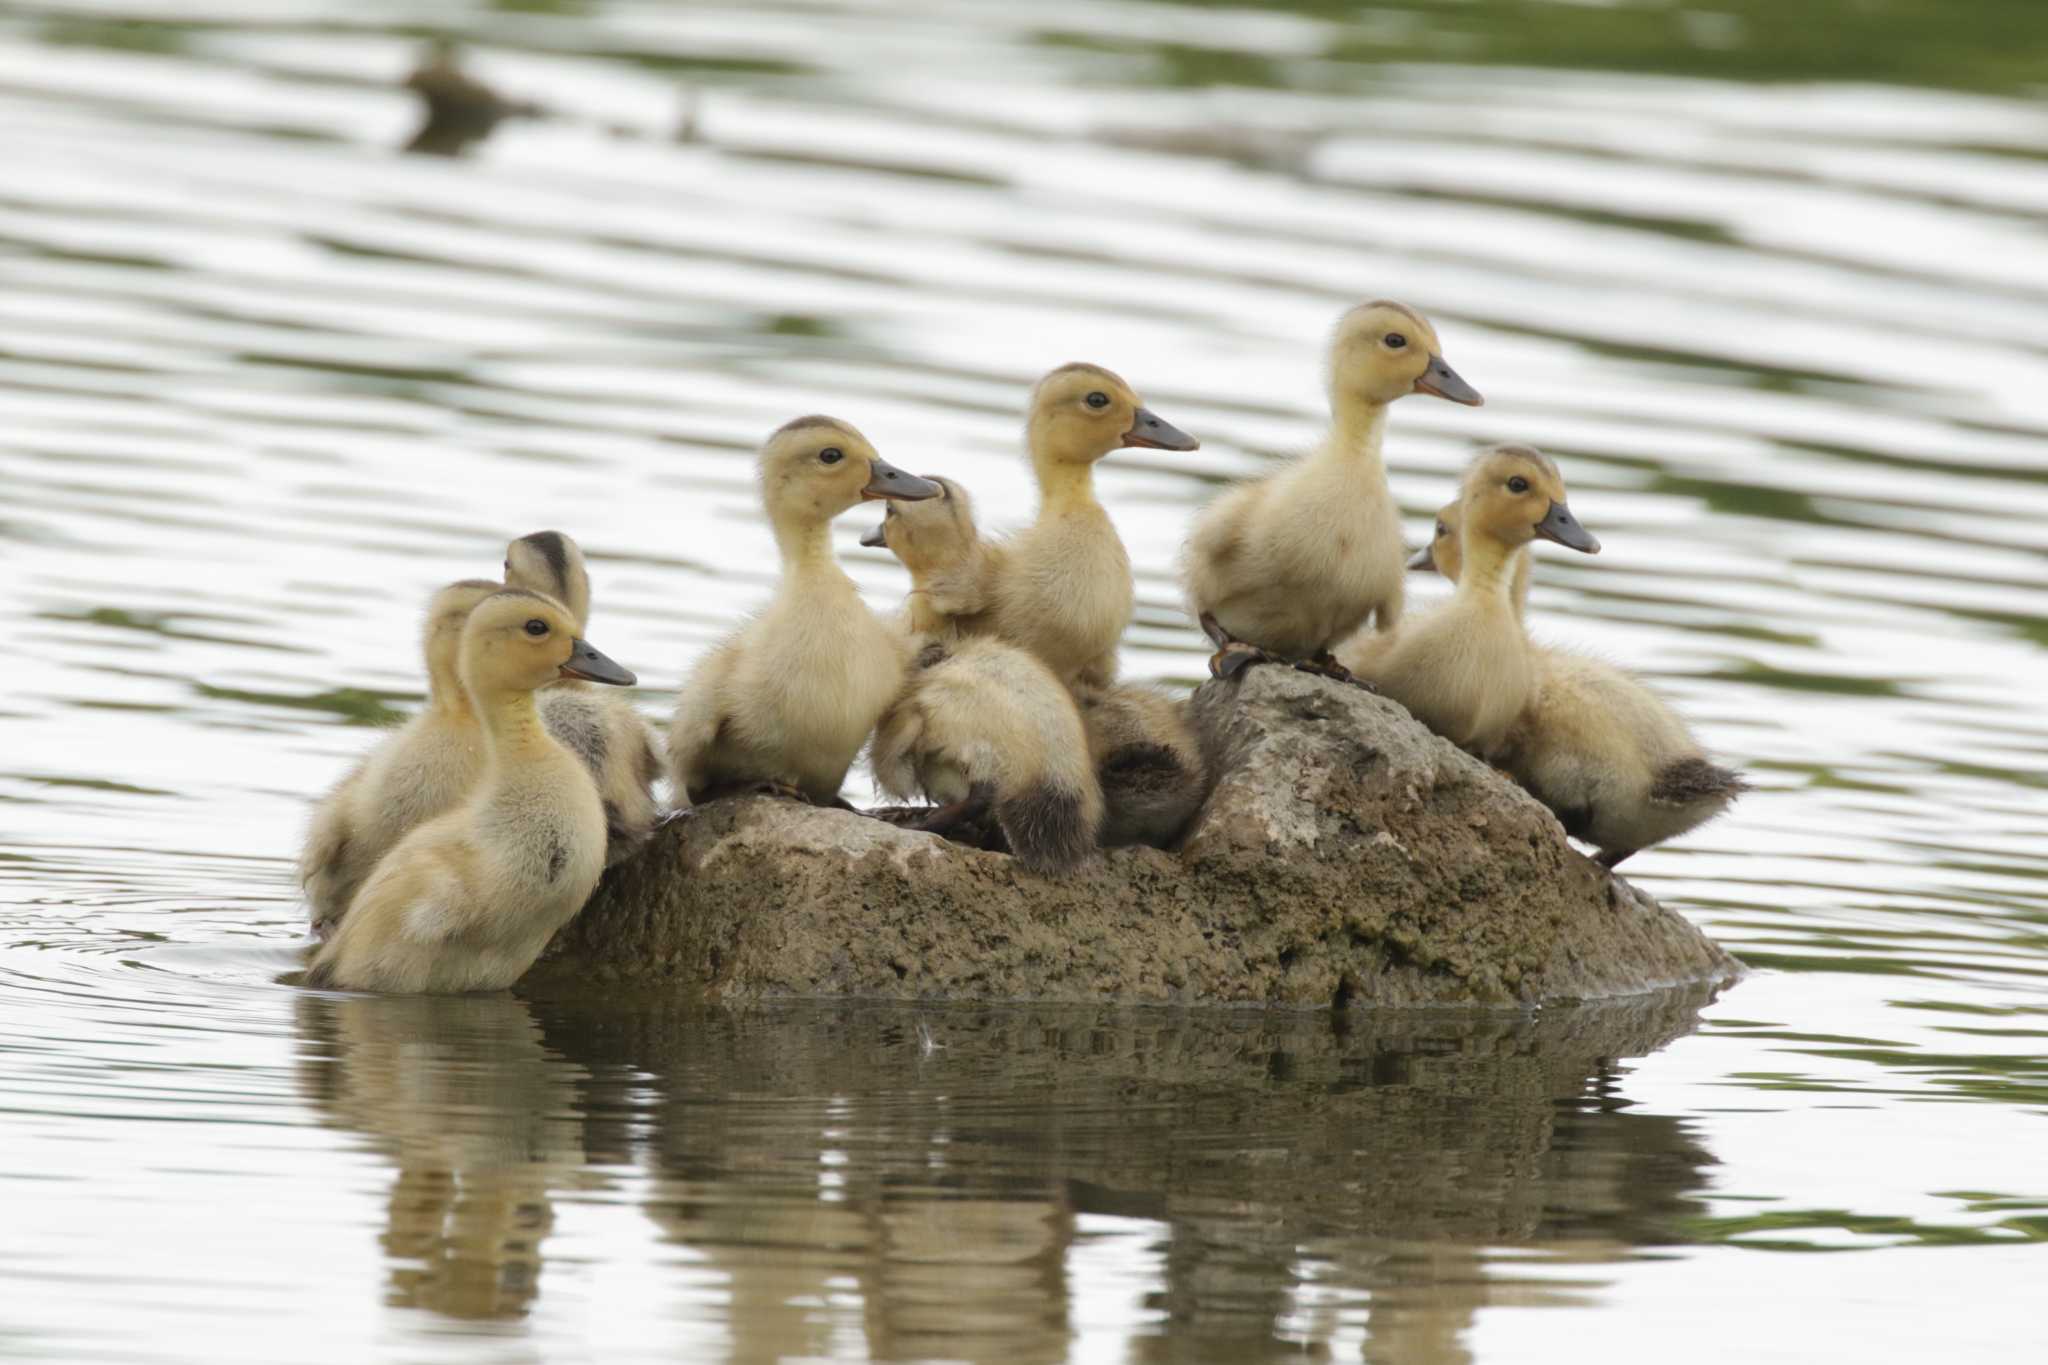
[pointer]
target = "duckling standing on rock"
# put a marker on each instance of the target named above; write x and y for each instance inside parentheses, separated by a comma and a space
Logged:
(1466, 670)
(598, 725)
(467, 901)
(408, 779)
(787, 701)
(1612, 760)
(981, 723)
(1286, 566)
(1061, 587)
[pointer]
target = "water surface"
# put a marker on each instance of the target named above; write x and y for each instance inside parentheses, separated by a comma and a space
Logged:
(1771, 284)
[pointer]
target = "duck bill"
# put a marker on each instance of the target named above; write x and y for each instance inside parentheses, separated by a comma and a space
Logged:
(885, 480)
(1424, 559)
(1441, 381)
(1150, 430)
(877, 539)
(586, 663)
(1559, 525)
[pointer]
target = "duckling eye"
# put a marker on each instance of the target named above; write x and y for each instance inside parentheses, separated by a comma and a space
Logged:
(1098, 399)
(1442, 530)
(831, 455)
(1395, 341)
(536, 627)
(1518, 484)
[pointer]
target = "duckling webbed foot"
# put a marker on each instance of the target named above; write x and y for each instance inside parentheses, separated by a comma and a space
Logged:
(1613, 858)
(947, 818)
(672, 817)
(1325, 665)
(1235, 657)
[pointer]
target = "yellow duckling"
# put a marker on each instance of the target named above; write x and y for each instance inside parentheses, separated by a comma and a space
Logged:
(599, 726)
(1287, 565)
(1061, 587)
(467, 901)
(981, 723)
(951, 566)
(788, 700)
(1148, 759)
(1467, 669)
(1612, 760)
(411, 777)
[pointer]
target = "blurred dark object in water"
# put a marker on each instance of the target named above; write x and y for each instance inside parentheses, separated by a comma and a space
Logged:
(461, 109)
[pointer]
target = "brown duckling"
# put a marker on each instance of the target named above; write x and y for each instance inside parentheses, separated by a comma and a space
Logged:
(1285, 566)
(1148, 759)
(1616, 765)
(412, 776)
(466, 901)
(789, 699)
(600, 725)
(1466, 670)
(1061, 587)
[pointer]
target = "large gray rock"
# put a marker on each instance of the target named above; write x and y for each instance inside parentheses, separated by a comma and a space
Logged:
(1347, 856)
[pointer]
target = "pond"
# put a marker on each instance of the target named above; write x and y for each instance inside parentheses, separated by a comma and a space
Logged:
(1770, 284)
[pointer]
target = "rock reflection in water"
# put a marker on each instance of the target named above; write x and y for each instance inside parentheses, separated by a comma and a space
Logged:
(479, 1119)
(856, 1188)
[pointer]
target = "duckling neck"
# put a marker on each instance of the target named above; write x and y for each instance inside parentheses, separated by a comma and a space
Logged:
(807, 551)
(1356, 429)
(1488, 573)
(446, 696)
(512, 719)
(921, 616)
(1064, 487)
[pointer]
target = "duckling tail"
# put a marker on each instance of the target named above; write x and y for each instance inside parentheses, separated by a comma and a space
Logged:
(1051, 827)
(1692, 781)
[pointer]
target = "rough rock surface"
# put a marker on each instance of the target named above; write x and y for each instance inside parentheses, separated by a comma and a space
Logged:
(1347, 856)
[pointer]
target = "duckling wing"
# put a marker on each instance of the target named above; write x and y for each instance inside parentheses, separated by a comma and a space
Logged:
(327, 863)
(701, 714)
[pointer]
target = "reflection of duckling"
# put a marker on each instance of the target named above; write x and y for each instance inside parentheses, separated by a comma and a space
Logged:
(1466, 670)
(981, 723)
(1609, 757)
(1148, 759)
(790, 698)
(599, 725)
(1290, 564)
(1062, 586)
(468, 900)
(413, 776)
(460, 109)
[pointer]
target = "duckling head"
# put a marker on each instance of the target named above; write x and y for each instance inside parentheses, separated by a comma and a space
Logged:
(931, 536)
(1514, 494)
(517, 641)
(1443, 554)
(1385, 350)
(447, 612)
(1079, 413)
(551, 563)
(814, 468)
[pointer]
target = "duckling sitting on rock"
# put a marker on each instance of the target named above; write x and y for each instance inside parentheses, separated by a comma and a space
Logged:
(1148, 759)
(599, 725)
(1061, 587)
(1616, 765)
(787, 701)
(981, 724)
(412, 776)
(1284, 567)
(1467, 670)
(467, 901)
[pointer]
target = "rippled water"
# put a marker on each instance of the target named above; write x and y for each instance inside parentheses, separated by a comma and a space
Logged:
(264, 384)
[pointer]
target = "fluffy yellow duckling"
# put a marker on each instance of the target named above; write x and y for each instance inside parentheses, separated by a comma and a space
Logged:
(1612, 760)
(412, 776)
(599, 726)
(1148, 759)
(467, 901)
(1061, 588)
(1287, 565)
(981, 723)
(951, 566)
(1467, 669)
(789, 699)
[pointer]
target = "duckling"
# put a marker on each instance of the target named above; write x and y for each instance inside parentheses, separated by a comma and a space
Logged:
(788, 700)
(408, 779)
(599, 726)
(467, 901)
(1061, 587)
(1148, 759)
(1612, 760)
(1442, 555)
(980, 722)
(951, 566)
(1467, 669)
(1286, 566)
